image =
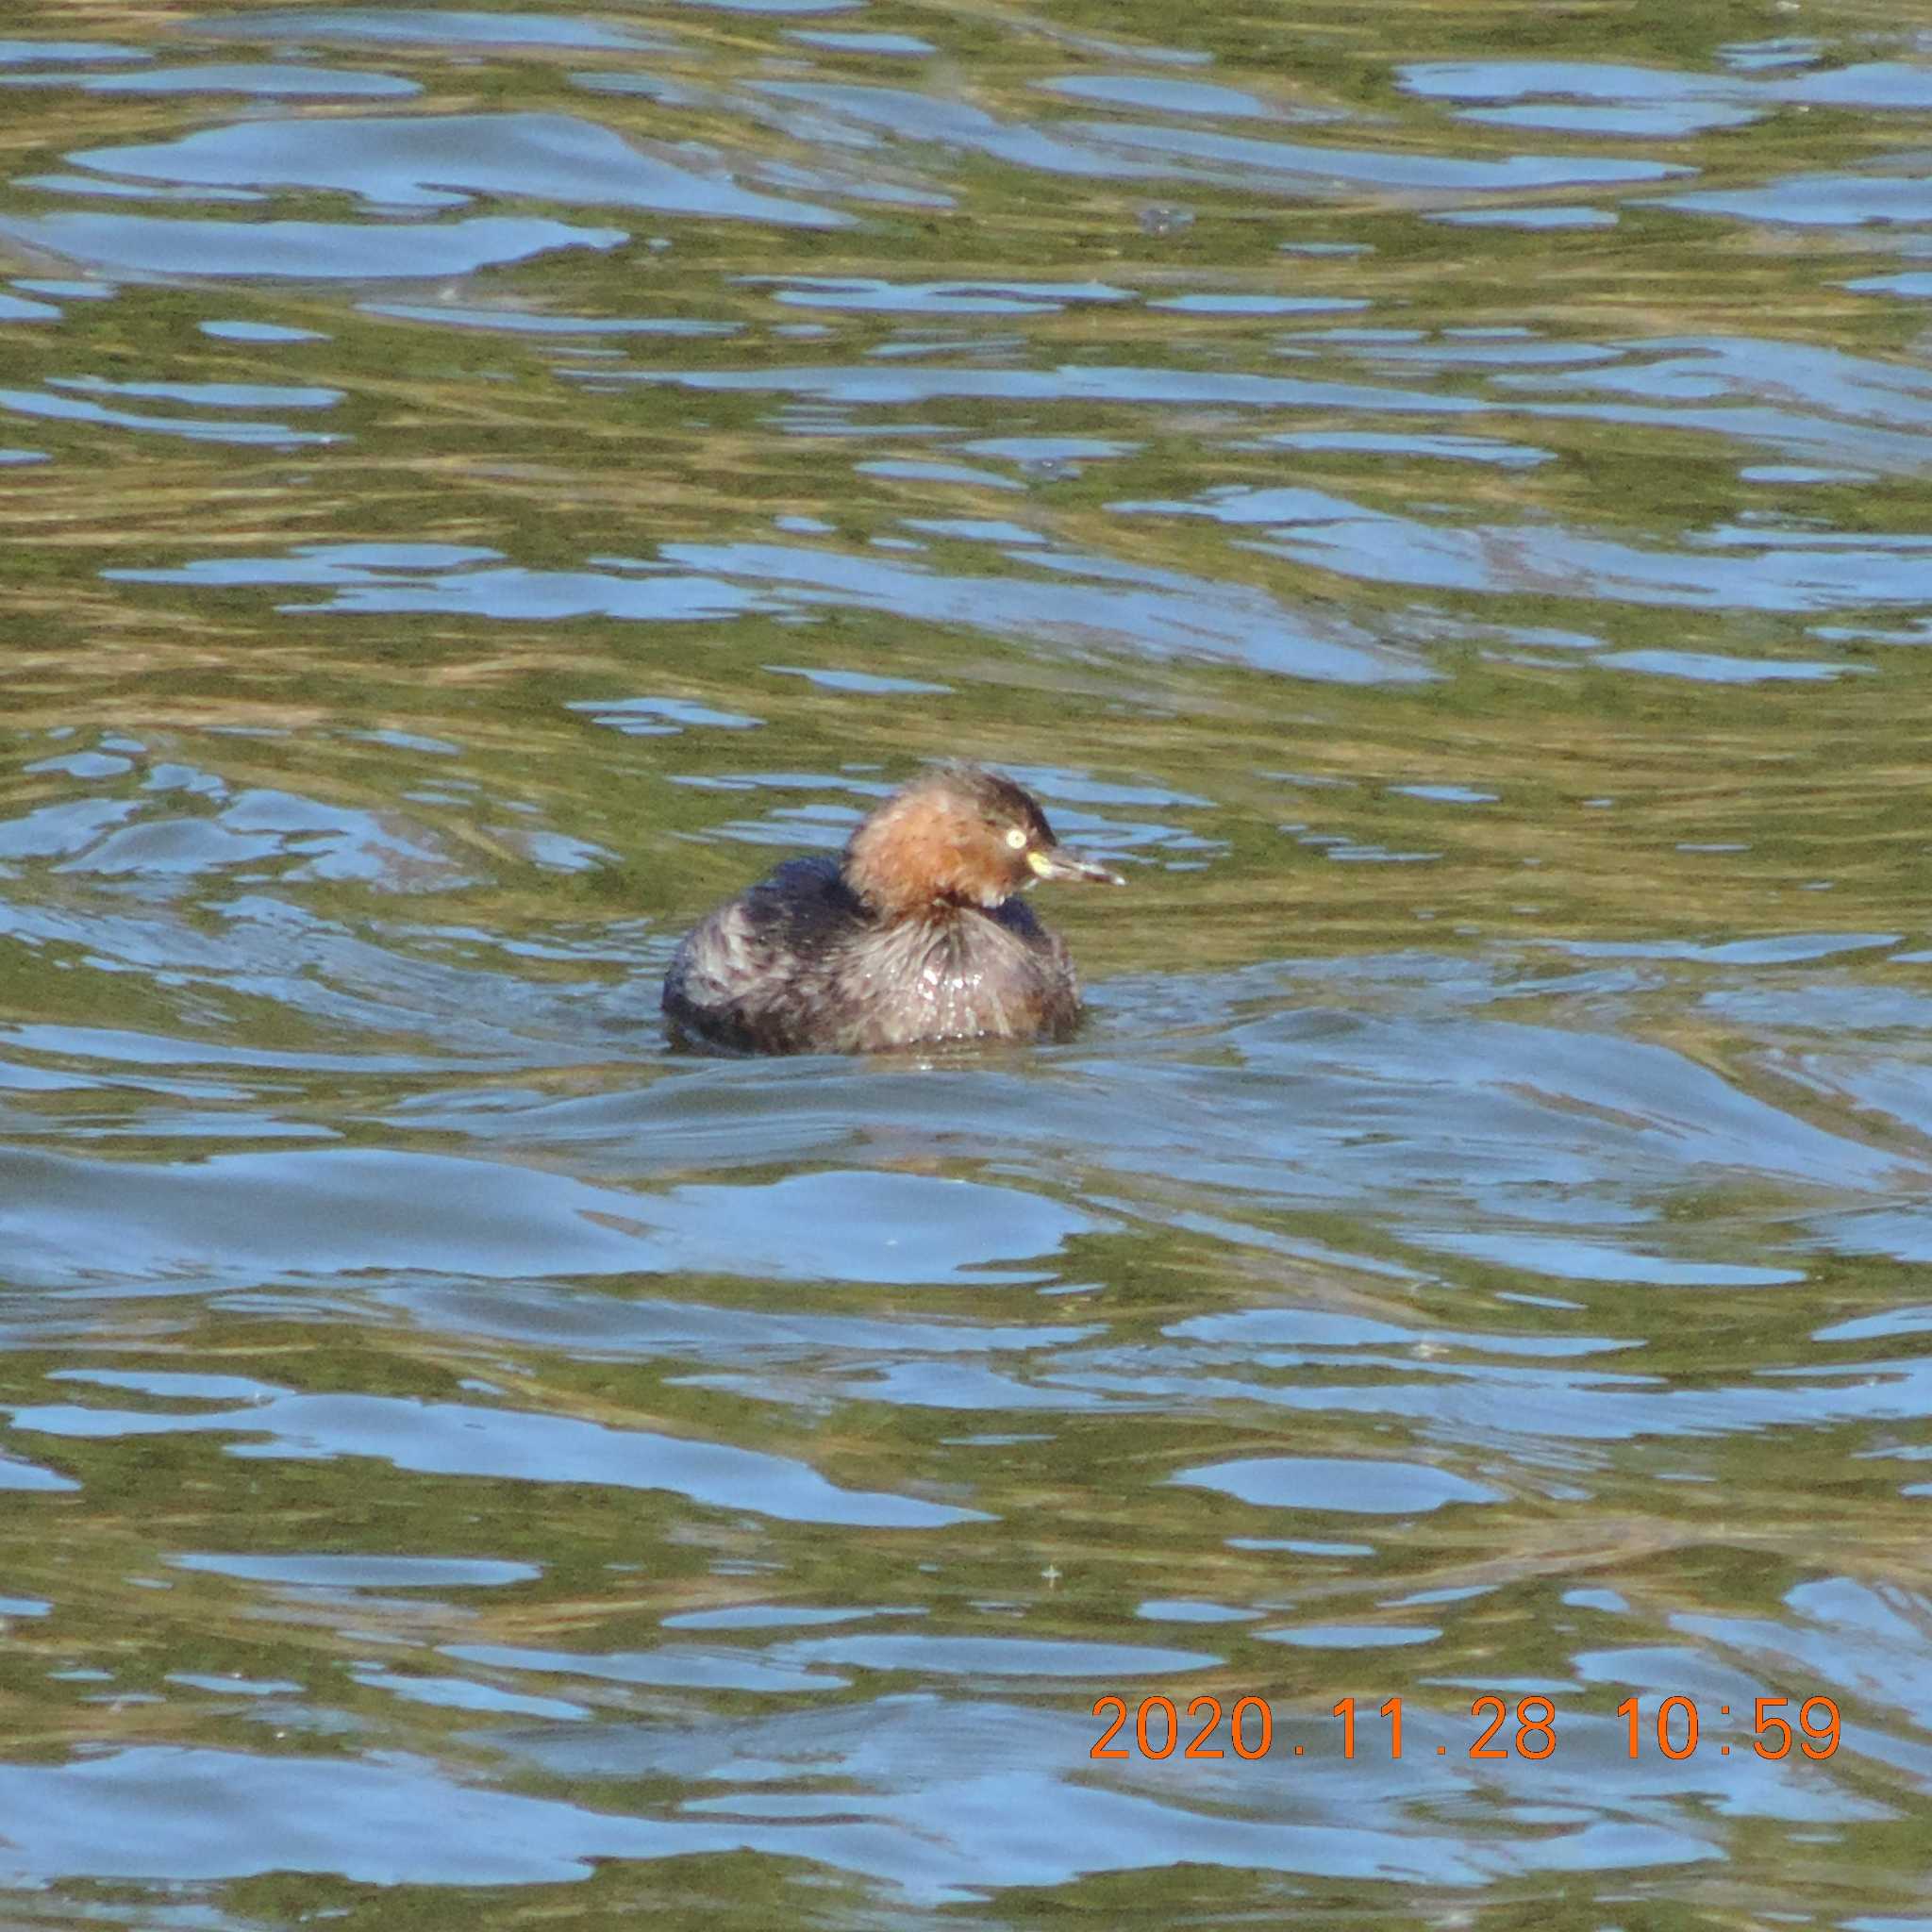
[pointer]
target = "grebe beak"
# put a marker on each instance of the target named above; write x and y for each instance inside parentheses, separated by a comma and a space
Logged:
(1069, 867)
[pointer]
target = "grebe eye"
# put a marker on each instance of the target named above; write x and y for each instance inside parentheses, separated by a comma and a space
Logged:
(1016, 838)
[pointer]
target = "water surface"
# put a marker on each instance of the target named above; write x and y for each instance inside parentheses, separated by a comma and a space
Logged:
(1444, 513)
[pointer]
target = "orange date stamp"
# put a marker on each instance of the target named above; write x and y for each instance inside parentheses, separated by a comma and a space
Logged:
(1676, 1729)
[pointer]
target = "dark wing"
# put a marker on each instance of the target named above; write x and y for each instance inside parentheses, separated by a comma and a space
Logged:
(1017, 917)
(803, 910)
(749, 974)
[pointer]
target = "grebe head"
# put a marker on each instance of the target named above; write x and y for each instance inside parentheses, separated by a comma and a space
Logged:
(961, 836)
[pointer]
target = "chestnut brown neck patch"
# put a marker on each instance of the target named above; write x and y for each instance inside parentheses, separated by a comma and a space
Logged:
(942, 841)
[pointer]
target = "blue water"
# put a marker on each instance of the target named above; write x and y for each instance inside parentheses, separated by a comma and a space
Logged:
(480, 486)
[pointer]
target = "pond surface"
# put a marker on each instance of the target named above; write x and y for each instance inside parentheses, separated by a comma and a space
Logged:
(1436, 495)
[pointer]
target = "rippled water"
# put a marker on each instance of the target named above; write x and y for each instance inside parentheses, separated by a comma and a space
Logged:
(1436, 495)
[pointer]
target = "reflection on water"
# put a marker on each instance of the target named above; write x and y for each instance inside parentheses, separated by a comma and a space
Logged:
(1444, 522)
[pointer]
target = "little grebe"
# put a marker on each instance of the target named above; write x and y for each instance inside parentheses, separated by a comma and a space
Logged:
(915, 933)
